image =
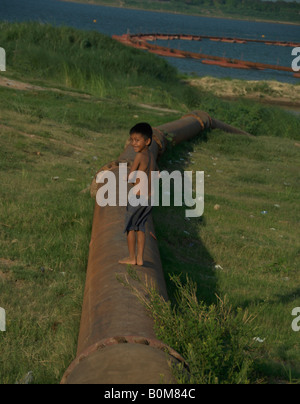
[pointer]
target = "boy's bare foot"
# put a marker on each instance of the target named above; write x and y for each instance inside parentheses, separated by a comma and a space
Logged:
(128, 260)
(139, 261)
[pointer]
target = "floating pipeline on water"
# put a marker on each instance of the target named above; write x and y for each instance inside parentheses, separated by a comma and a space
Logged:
(158, 36)
(140, 41)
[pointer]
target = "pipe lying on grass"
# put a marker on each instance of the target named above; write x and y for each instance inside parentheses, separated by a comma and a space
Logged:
(117, 343)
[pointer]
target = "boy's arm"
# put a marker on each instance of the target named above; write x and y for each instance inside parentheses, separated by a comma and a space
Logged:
(135, 165)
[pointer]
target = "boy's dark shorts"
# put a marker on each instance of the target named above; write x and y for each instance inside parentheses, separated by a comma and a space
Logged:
(136, 217)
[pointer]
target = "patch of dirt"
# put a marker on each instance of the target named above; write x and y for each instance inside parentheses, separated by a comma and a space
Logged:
(5, 264)
(159, 109)
(272, 92)
(4, 276)
(32, 136)
(21, 86)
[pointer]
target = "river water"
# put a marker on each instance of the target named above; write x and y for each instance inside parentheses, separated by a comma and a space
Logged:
(118, 21)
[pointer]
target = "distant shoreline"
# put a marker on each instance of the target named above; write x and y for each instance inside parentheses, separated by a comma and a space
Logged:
(104, 4)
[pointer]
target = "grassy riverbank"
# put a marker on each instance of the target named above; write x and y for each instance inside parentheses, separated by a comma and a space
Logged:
(67, 101)
(254, 10)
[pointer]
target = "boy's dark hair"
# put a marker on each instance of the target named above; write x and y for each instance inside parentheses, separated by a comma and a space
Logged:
(144, 129)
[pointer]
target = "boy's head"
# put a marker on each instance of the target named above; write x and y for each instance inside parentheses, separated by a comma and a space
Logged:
(143, 129)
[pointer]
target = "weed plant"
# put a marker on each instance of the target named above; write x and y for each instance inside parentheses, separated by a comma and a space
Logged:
(214, 341)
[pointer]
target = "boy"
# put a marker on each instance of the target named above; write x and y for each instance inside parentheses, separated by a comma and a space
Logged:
(136, 216)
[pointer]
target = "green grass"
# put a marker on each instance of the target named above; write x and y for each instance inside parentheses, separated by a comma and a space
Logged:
(235, 250)
(53, 142)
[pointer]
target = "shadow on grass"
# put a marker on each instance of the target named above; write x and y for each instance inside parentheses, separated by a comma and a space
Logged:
(181, 248)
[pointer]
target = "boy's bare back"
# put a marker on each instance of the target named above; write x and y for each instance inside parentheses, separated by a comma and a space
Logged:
(144, 161)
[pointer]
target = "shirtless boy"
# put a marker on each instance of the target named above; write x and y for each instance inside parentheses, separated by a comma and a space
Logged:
(136, 217)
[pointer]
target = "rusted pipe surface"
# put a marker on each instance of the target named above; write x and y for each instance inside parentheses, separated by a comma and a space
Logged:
(216, 124)
(123, 364)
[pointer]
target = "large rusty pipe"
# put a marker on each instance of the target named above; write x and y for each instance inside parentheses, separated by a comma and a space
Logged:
(117, 343)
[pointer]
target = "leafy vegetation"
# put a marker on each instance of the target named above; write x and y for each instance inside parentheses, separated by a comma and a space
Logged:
(214, 341)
